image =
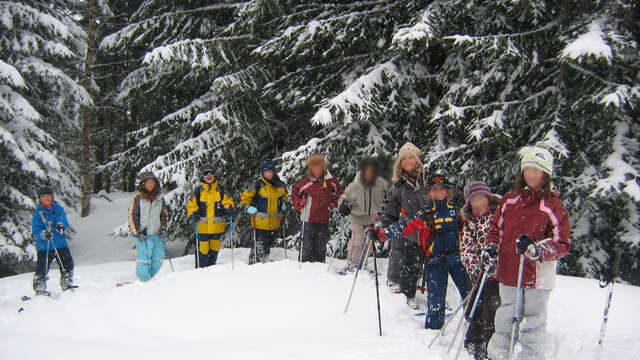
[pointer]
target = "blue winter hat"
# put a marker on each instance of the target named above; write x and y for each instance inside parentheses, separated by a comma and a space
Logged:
(268, 165)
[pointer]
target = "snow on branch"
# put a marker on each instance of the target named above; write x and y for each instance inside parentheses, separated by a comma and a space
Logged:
(590, 43)
(197, 52)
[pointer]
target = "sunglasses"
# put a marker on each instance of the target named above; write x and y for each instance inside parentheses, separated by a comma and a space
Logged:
(208, 173)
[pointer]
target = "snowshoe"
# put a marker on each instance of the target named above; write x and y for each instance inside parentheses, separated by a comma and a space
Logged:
(66, 281)
(346, 270)
(42, 293)
(413, 304)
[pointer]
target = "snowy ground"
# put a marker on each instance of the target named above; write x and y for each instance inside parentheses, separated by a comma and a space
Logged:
(267, 311)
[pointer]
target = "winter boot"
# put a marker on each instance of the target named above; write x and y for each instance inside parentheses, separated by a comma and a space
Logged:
(347, 269)
(66, 280)
(413, 303)
(395, 288)
(39, 284)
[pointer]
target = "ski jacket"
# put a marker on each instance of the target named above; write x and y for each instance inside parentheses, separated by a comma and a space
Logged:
(53, 215)
(474, 236)
(365, 200)
(268, 198)
(205, 202)
(407, 196)
(321, 194)
(546, 222)
(148, 213)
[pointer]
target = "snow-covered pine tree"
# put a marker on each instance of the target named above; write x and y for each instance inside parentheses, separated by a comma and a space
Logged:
(41, 50)
(504, 75)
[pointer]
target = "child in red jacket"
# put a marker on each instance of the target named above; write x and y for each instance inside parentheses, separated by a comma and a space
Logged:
(531, 222)
(314, 196)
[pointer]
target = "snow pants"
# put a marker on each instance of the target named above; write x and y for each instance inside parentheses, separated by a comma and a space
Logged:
(315, 238)
(395, 255)
(150, 256)
(532, 331)
(208, 248)
(409, 266)
(264, 241)
(43, 264)
(356, 244)
(481, 327)
(438, 271)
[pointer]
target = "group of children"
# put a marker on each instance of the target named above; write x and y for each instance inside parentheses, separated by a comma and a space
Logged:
(416, 214)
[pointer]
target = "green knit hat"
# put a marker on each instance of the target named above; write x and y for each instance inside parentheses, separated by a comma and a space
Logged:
(539, 158)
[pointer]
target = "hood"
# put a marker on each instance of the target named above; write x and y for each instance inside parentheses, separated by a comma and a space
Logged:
(494, 202)
(398, 172)
(146, 176)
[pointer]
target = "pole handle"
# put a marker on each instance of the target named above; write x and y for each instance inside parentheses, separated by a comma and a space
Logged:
(615, 262)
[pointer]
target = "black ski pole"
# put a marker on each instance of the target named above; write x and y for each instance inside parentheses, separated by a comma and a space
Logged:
(365, 250)
(166, 251)
(375, 269)
(609, 280)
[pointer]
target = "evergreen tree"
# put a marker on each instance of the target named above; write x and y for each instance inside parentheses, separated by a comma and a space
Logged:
(41, 49)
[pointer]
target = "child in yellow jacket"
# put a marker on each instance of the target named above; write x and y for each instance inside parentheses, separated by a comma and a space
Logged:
(208, 210)
(266, 202)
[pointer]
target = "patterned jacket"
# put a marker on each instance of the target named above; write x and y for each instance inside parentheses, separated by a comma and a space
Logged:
(474, 237)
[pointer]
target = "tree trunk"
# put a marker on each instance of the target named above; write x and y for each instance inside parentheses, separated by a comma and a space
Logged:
(87, 112)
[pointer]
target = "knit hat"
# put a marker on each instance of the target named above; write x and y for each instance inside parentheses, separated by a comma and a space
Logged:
(45, 190)
(408, 149)
(475, 188)
(267, 165)
(539, 158)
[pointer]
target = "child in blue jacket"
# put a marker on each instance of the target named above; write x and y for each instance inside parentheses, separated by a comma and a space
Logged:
(439, 227)
(49, 225)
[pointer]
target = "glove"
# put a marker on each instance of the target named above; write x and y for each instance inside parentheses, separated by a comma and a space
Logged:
(59, 227)
(489, 255)
(376, 234)
(423, 239)
(194, 218)
(250, 210)
(523, 243)
(283, 207)
(344, 209)
(142, 236)
(47, 235)
(298, 205)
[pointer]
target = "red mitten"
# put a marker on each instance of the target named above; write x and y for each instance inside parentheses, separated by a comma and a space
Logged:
(413, 226)
(300, 203)
(424, 236)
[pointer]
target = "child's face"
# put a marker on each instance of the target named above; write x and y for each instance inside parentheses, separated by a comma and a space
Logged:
(46, 199)
(479, 204)
(210, 179)
(438, 193)
(150, 185)
(316, 171)
(268, 174)
(408, 164)
(533, 177)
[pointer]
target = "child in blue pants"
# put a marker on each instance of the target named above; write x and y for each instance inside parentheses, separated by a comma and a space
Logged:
(439, 226)
(148, 219)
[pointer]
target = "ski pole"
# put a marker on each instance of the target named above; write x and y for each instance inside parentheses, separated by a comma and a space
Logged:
(614, 274)
(197, 245)
(232, 244)
(473, 308)
(375, 269)
(284, 234)
(453, 315)
(333, 256)
(166, 251)
(365, 250)
(516, 312)
(301, 243)
(255, 247)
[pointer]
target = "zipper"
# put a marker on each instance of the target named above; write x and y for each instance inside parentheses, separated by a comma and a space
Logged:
(370, 201)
